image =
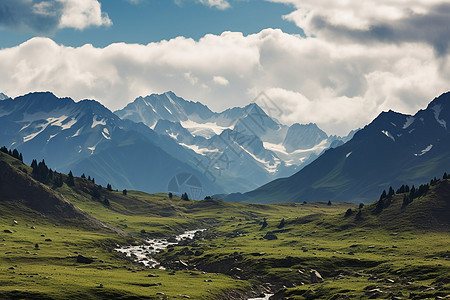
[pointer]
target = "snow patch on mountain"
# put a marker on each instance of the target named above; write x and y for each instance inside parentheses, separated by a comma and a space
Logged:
(201, 151)
(51, 136)
(437, 110)
(77, 133)
(386, 133)
(277, 148)
(409, 121)
(29, 137)
(92, 149)
(3, 97)
(105, 134)
(428, 148)
(206, 130)
(61, 122)
(270, 168)
(96, 122)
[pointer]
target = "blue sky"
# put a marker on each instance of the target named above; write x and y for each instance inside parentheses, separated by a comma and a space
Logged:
(334, 63)
(154, 20)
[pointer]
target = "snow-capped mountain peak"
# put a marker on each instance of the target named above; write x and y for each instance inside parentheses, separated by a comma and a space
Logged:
(3, 96)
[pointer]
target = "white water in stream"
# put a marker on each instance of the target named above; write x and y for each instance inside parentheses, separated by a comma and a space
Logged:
(265, 298)
(143, 253)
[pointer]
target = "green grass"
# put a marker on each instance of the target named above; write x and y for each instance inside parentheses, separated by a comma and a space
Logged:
(402, 251)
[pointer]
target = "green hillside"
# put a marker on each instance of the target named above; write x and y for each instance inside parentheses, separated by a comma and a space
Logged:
(399, 251)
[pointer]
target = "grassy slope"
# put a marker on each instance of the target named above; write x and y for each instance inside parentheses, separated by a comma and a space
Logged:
(360, 251)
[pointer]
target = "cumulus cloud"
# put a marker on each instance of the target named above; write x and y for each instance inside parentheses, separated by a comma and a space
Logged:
(221, 80)
(375, 21)
(49, 15)
(218, 4)
(338, 86)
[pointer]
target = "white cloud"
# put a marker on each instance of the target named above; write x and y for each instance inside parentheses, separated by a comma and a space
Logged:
(51, 15)
(338, 86)
(80, 14)
(218, 4)
(374, 21)
(220, 80)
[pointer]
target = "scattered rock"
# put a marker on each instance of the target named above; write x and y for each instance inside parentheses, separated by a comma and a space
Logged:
(207, 280)
(15, 222)
(152, 275)
(84, 260)
(7, 231)
(315, 276)
(394, 246)
(32, 227)
(48, 240)
(374, 293)
(270, 236)
(184, 296)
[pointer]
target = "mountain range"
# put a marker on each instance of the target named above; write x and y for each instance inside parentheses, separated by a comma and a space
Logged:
(153, 139)
(392, 150)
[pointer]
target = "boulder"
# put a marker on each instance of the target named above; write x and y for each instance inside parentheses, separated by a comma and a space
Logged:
(270, 236)
(315, 276)
(84, 260)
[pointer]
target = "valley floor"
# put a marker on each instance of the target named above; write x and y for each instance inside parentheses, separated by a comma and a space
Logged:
(239, 256)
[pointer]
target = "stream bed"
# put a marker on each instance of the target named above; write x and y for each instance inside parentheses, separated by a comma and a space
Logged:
(144, 253)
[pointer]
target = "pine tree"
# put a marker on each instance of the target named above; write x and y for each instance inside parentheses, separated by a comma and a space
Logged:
(124, 192)
(406, 200)
(170, 195)
(445, 176)
(59, 180)
(391, 192)
(407, 189)
(83, 176)
(329, 202)
(380, 206)
(401, 190)
(412, 193)
(109, 187)
(383, 195)
(15, 154)
(70, 181)
(21, 157)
